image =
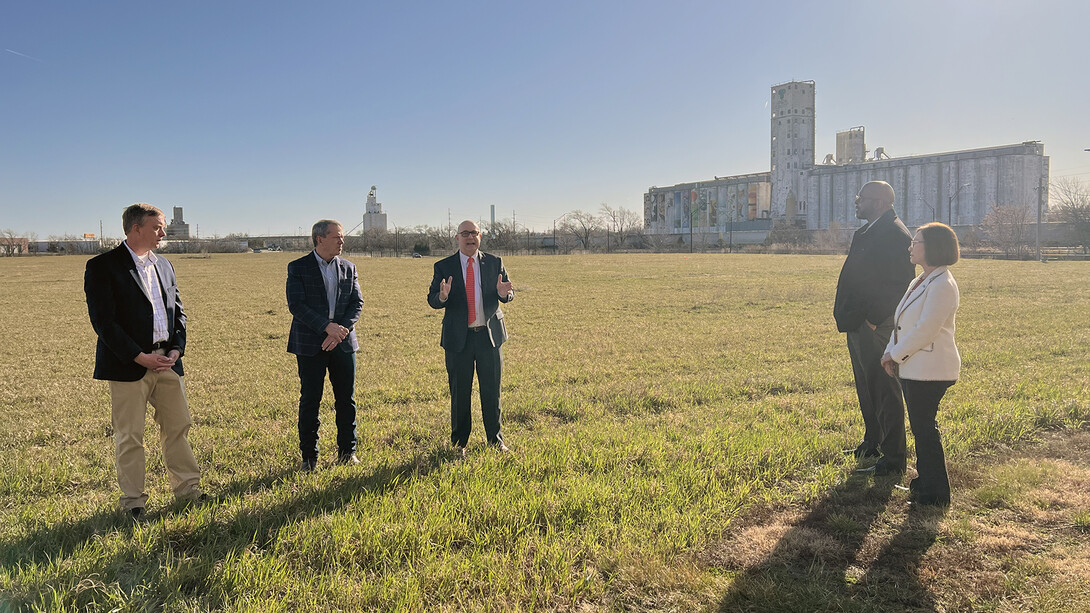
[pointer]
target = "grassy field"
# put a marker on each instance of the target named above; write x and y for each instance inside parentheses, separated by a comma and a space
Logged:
(676, 423)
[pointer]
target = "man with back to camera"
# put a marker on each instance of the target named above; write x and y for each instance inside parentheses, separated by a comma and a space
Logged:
(136, 311)
(325, 301)
(470, 285)
(874, 277)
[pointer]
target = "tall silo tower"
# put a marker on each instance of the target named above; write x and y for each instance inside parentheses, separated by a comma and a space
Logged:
(792, 146)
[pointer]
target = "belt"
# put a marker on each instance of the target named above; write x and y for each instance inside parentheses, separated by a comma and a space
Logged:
(164, 345)
(478, 328)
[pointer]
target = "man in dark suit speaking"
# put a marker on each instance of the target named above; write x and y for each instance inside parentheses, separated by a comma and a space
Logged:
(874, 278)
(470, 285)
(325, 302)
(136, 311)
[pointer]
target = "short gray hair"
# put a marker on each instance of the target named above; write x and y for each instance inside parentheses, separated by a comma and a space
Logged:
(321, 228)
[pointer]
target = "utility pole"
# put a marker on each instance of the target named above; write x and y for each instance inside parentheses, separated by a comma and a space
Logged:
(1040, 198)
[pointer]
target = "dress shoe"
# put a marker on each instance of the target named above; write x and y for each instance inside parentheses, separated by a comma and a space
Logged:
(459, 452)
(137, 515)
(309, 464)
(502, 448)
(929, 501)
(201, 498)
(880, 470)
(348, 459)
(861, 453)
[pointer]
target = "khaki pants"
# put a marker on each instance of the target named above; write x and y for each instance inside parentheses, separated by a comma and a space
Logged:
(165, 391)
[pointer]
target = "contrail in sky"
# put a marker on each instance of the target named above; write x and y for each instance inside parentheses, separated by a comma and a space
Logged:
(29, 57)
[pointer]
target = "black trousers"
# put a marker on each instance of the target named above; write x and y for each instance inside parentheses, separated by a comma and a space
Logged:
(923, 399)
(341, 367)
(488, 360)
(879, 395)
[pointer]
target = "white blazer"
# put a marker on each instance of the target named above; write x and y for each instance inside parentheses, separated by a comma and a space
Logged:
(922, 342)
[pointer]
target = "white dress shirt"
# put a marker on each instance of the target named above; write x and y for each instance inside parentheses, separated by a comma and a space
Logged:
(478, 303)
(329, 277)
(145, 265)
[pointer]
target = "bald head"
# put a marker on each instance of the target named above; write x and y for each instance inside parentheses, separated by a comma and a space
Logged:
(873, 200)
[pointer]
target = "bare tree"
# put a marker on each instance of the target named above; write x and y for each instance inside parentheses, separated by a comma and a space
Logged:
(11, 244)
(1073, 199)
(582, 226)
(503, 234)
(622, 222)
(1005, 229)
(440, 238)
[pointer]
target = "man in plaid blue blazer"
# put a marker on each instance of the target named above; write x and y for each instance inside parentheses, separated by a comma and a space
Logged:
(325, 302)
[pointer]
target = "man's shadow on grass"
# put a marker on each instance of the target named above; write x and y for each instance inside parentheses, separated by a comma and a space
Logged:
(827, 559)
(195, 554)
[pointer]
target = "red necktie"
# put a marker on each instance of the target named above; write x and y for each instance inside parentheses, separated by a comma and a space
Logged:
(471, 291)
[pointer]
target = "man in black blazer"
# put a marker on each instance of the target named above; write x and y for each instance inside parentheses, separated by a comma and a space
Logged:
(325, 302)
(136, 311)
(874, 277)
(470, 285)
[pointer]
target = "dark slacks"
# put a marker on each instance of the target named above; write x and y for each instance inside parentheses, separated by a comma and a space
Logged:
(922, 398)
(341, 366)
(879, 395)
(488, 360)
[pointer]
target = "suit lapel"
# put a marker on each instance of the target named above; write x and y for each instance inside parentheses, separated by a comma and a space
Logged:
(130, 265)
(915, 294)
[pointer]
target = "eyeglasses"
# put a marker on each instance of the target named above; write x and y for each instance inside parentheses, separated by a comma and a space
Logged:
(469, 233)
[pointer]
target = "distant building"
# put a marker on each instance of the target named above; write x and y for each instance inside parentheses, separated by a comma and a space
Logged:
(178, 228)
(957, 187)
(14, 245)
(374, 218)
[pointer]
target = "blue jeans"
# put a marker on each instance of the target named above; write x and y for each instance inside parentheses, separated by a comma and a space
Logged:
(341, 366)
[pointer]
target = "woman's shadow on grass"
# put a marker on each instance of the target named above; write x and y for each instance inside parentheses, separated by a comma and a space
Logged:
(834, 558)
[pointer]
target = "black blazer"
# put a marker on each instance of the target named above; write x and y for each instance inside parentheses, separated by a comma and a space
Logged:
(309, 305)
(121, 314)
(456, 317)
(875, 274)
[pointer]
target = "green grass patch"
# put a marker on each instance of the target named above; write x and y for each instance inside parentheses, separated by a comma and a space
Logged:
(653, 401)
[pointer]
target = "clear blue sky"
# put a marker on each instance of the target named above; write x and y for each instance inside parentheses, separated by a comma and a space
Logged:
(260, 117)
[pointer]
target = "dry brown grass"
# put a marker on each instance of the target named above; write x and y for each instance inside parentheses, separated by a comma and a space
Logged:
(1014, 540)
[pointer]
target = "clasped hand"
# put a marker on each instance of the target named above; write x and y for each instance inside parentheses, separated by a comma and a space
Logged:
(158, 363)
(889, 365)
(335, 333)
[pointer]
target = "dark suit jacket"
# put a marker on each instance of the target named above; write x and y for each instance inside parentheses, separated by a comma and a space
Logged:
(456, 317)
(309, 305)
(875, 274)
(122, 316)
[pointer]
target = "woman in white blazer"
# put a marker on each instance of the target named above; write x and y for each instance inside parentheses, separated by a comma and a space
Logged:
(922, 353)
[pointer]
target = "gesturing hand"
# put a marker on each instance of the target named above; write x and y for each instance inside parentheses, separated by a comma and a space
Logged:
(503, 288)
(444, 288)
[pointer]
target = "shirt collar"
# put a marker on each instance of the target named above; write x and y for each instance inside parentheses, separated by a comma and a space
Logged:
(146, 259)
(321, 262)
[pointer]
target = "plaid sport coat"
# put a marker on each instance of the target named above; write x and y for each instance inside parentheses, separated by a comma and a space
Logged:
(309, 305)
